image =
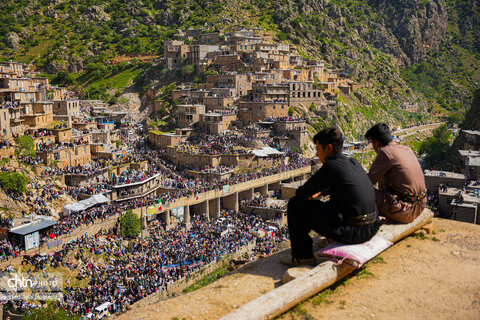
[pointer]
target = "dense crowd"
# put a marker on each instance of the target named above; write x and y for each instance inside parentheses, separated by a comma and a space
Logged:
(264, 202)
(132, 271)
(283, 119)
(217, 170)
(224, 143)
(89, 169)
(50, 147)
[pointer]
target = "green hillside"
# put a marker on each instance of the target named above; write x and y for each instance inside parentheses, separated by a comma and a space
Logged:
(418, 51)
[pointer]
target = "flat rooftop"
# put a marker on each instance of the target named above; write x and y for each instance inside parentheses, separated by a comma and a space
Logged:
(446, 174)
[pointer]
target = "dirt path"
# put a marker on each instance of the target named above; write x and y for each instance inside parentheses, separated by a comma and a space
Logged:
(433, 278)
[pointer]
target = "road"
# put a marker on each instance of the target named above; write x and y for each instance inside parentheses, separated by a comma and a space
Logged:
(413, 130)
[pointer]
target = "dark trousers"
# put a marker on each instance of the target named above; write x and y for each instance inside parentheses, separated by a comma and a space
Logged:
(322, 217)
(306, 215)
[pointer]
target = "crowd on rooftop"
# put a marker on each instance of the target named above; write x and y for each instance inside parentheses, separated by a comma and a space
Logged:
(264, 202)
(283, 119)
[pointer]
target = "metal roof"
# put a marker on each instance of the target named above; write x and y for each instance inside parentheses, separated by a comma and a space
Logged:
(32, 227)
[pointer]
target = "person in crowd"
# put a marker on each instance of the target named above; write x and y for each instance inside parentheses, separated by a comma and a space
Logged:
(350, 216)
(401, 195)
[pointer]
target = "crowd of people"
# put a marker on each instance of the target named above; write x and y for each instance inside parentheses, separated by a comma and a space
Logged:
(283, 119)
(264, 202)
(130, 272)
(50, 147)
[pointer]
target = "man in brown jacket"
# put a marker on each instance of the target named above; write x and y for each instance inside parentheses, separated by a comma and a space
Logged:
(401, 194)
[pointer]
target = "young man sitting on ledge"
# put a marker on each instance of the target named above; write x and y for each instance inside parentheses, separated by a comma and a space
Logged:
(350, 216)
(401, 194)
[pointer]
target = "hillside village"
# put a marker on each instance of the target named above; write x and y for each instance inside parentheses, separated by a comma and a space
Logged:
(253, 86)
(72, 168)
(216, 184)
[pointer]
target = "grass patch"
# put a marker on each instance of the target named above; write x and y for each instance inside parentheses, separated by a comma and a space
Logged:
(210, 278)
(322, 297)
(159, 132)
(364, 273)
(378, 260)
(420, 235)
(299, 311)
(435, 239)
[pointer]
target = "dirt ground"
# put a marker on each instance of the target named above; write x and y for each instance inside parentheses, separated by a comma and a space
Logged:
(431, 277)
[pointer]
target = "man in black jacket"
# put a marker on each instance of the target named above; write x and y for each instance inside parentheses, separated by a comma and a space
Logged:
(350, 216)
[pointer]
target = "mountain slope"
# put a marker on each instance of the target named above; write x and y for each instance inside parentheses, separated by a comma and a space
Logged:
(423, 51)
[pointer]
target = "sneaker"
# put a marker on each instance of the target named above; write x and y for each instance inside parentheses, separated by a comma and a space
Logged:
(290, 261)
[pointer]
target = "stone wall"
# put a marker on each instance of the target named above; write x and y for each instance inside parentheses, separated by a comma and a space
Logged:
(432, 181)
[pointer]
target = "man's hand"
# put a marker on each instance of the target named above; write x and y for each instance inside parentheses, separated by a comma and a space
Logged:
(315, 196)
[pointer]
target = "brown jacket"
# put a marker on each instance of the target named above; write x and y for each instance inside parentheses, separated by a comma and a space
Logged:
(397, 171)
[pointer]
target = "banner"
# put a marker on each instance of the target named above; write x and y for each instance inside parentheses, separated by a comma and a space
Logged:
(178, 213)
(226, 189)
(32, 240)
(54, 243)
(151, 210)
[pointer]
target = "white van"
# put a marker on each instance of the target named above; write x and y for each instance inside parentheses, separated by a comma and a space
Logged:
(100, 312)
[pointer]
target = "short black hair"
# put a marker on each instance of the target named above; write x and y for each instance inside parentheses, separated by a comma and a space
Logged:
(379, 132)
(333, 136)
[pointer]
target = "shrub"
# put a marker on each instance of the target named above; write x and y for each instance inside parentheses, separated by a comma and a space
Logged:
(13, 181)
(130, 224)
(26, 146)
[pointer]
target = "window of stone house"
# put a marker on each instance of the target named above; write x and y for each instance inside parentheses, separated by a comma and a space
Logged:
(76, 151)
(66, 155)
(56, 156)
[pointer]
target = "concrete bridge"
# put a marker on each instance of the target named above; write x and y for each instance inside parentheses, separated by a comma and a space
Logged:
(210, 202)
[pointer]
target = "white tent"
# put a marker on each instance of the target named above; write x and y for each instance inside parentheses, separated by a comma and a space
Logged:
(84, 204)
(265, 152)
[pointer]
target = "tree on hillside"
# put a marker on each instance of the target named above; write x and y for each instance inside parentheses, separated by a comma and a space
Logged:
(436, 149)
(130, 224)
(13, 181)
(26, 146)
(64, 78)
(454, 118)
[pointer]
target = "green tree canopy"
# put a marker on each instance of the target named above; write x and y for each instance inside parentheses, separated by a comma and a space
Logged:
(130, 224)
(13, 181)
(436, 149)
(26, 146)
(64, 78)
(454, 118)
